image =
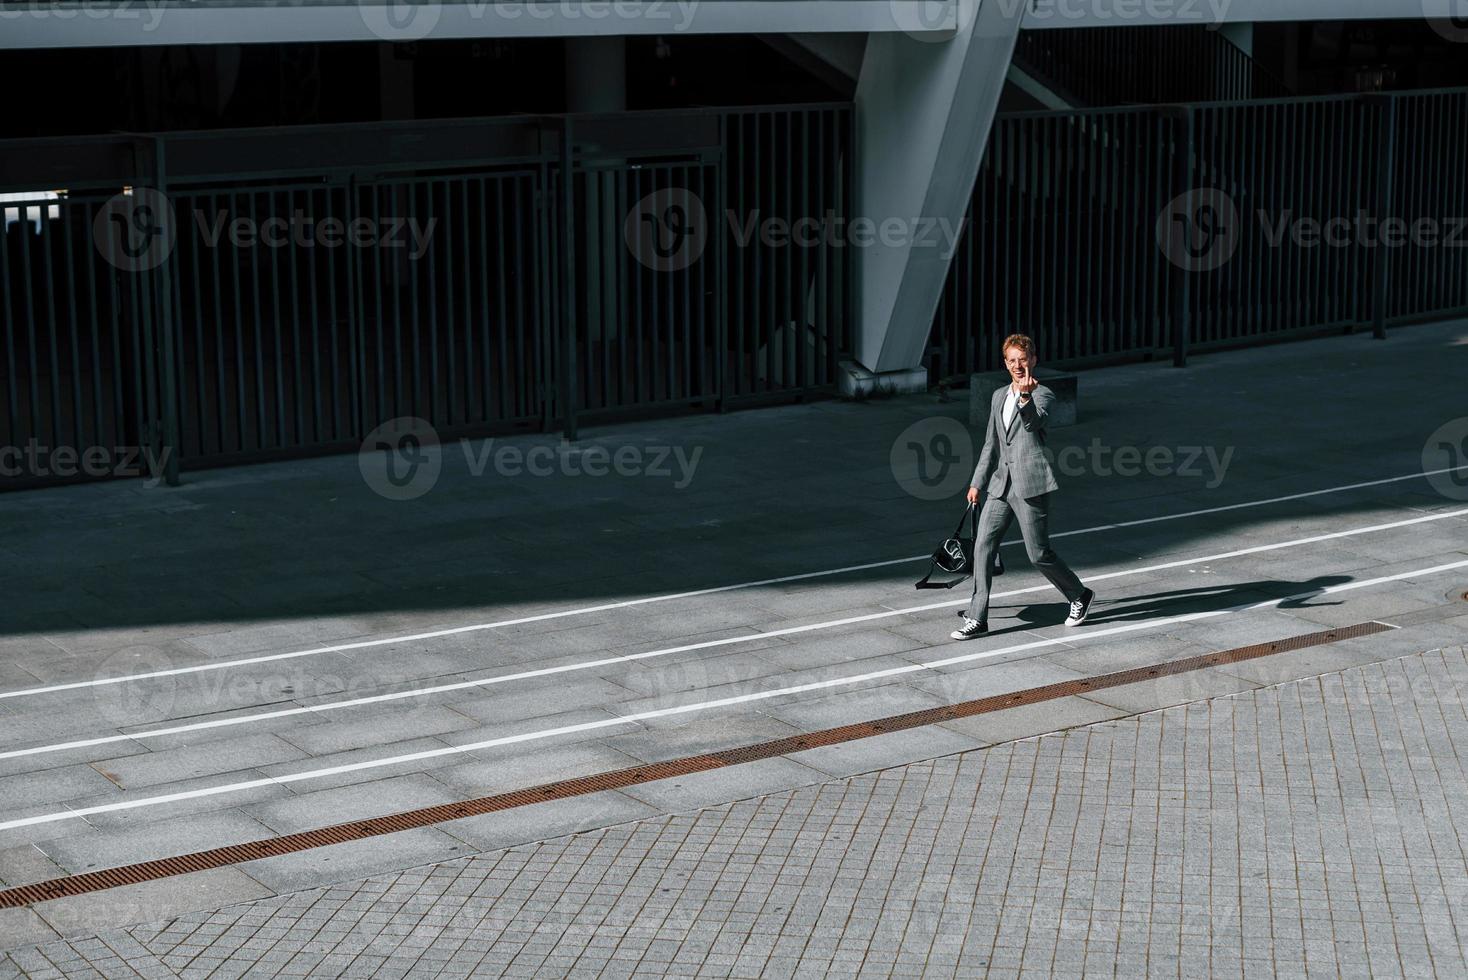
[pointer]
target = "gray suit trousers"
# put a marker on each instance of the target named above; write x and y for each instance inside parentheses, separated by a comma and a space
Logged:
(994, 520)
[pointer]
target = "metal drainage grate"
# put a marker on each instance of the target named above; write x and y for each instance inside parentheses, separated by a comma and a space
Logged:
(92, 881)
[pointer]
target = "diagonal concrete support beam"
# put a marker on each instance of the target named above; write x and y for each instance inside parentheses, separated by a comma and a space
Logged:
(924, 106)
(833, 58)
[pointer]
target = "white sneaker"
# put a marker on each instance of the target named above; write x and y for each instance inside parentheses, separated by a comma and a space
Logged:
(1080, 608)
(970, 629)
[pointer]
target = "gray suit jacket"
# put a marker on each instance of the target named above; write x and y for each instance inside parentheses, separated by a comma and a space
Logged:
(1016, 453)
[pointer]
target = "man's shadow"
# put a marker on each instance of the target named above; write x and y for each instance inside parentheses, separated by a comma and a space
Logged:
(1177, 602)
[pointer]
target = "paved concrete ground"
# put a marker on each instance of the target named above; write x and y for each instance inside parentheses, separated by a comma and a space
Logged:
(222, 580)
(1315, 828)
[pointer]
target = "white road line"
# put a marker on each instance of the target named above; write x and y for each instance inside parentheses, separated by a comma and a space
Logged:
(704, 644)
(476, 627)
(1260, 503)
(297, 777)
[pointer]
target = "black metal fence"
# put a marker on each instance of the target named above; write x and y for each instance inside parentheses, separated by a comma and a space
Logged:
(469, 284)
(1121, 234)
(1144, 65)
(445, 271)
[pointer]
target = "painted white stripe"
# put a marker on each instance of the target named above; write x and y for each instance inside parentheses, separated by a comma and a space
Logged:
(702, 645)
(604, 607)
(1260, 503)
(640, 716)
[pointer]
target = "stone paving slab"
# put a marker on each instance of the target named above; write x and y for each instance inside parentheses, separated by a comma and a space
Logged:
(1313, 828)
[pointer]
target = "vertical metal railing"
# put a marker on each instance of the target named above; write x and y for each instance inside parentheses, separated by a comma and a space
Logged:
(1059, 239)
(1144, 65)
(1427, 187)
(73, 374)
(490, 294)
(265, 349)
(447, 323)
(789, 305)
(510, 295)
(1288, 198)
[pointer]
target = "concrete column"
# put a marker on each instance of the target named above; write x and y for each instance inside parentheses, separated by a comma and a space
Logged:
(924, 107)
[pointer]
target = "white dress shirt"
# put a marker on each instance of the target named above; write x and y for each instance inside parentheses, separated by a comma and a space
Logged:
(1011, 402)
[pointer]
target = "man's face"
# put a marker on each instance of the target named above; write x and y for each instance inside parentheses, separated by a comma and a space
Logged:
(1020, 364)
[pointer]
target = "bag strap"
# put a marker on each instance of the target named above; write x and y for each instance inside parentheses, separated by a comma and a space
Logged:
(925, 584)
(971, 510)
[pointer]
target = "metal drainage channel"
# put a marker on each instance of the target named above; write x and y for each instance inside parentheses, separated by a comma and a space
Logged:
(92, 881)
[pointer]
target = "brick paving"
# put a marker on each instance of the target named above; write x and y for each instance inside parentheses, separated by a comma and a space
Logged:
(1315, 828)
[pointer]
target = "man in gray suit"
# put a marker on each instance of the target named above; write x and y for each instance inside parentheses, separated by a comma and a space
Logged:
(1019, 481)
